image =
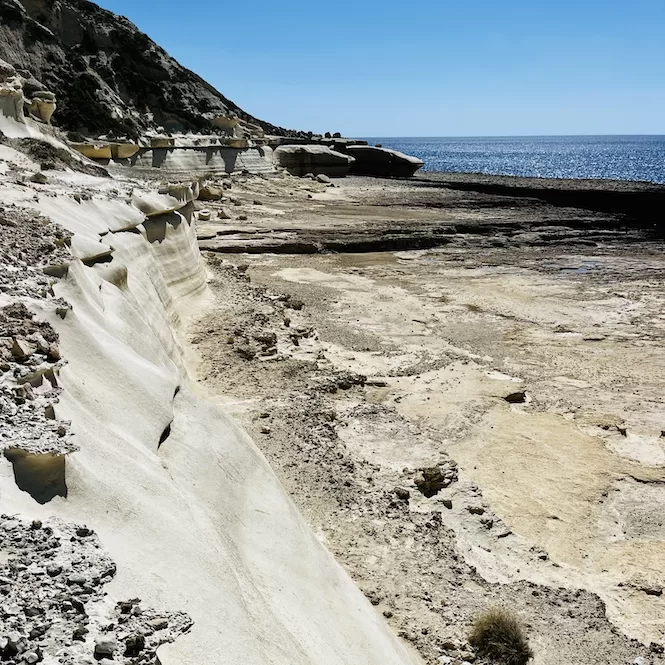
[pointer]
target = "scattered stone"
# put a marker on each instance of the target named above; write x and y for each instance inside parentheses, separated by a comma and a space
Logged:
(323, 178)
(134, 644)
(431, 480)
(516, 398)
(39, 178)
(245, 351)
(210, 193)
(295, 303)
(105, 647)
(402, 493)
(22, 349)
(159, 623)
(76, 578)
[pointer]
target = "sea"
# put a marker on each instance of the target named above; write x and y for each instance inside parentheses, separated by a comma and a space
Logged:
(613, 157)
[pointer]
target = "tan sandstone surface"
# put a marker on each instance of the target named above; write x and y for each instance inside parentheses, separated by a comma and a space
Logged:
(523, 358)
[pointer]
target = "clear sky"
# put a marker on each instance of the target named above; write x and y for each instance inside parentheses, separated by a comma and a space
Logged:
(425, 67)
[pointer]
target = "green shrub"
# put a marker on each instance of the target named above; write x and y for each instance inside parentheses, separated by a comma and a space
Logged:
(497, 635)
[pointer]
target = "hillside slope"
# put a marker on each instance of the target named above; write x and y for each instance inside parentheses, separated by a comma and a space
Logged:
(108, 76)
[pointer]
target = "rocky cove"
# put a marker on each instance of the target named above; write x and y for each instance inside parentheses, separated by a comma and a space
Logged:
(252, 412)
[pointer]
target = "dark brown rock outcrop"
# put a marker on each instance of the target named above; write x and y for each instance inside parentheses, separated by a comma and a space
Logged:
(96, 63)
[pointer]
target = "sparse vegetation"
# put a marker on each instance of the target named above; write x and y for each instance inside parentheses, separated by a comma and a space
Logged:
(498, 636)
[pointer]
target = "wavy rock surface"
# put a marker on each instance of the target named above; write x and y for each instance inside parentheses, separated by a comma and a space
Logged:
(185, 504)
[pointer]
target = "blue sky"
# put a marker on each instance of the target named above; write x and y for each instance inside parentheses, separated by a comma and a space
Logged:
(428, 67)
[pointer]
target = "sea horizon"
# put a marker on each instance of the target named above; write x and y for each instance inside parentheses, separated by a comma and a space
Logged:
(631, 157)
(507, 136)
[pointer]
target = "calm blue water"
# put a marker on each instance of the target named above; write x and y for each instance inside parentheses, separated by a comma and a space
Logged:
(617, 157)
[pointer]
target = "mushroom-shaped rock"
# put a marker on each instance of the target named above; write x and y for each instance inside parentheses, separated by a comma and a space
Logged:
(11, 93)
(42, 106)
(383, 162)
(226, 123)
(301, 159)
(162, 142)
(94, 150)
(124, 150)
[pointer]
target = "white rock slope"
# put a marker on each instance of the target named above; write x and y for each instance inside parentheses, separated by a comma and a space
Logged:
(180, 497)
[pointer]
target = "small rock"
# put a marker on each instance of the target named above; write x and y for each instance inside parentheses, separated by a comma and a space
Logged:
(22, 348)
(222, 214)
(653, 590)
(294, 303)
(322, 177)
(265, 430)
(158, 624)
(242, 218)
(39, 178)
(134, 644)
(447, 503)
(77, 578)
(402, 493)
(210, 193)
(204, 215)
(105, 647)
(79, 633)
(245, 351)
(516, 398)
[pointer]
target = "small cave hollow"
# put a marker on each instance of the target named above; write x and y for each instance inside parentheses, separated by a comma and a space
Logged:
(41, 475)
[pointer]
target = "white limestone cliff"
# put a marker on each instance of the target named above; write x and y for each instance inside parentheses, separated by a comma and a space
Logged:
(181, 498)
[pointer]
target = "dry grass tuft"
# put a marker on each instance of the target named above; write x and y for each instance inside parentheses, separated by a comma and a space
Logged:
(497, 635)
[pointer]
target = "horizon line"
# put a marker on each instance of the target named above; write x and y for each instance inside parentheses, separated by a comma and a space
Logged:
(504, 136)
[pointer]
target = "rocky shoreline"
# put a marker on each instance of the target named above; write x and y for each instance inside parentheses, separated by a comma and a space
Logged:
(641, 203)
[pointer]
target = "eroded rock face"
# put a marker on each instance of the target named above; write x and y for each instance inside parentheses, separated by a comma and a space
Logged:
(20, 93)
(303, 159)
(11, 93)
(382, 162)
(110, 77)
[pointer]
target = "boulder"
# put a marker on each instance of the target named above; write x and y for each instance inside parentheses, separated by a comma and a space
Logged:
(210, 193)
(42, 106)
(301, 159)
(382, 162)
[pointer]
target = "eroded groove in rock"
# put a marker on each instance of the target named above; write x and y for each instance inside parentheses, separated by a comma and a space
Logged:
(165, 435)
